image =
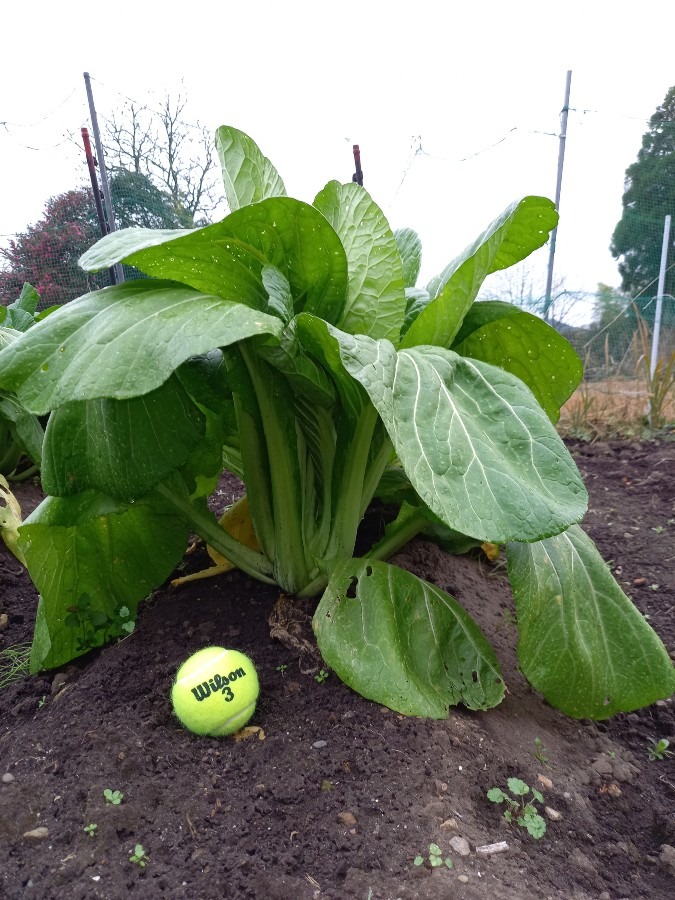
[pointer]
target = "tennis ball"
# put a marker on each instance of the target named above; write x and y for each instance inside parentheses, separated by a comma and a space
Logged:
(215, 691)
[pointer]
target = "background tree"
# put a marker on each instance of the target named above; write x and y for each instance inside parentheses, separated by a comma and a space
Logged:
(176, 156)
(524, 286)
(649, 195)
(46, 254)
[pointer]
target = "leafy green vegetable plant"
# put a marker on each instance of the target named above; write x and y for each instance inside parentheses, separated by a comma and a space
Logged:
(659, 749)
(291, 343)
(521, 811)
(435, 858)
(113, 797)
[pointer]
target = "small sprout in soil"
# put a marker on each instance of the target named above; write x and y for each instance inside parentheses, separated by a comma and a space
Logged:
(114, 797)
(91, 829)
(435, 858)
(321, 677)
(282, 668)
(611, 754)
(521, 811)
(42, 701)
(659, 529)
(659, 749)
(540, 752)
(139, 856)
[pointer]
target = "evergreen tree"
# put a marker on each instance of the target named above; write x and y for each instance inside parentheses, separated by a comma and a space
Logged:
(649, 196)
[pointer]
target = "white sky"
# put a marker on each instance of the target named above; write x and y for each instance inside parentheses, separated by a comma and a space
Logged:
(308, 79)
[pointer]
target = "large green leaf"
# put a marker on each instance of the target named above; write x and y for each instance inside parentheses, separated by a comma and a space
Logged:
(122, 342)
(521, 228)
(120, 447)
(248, 176)
(410, 249)
(228, 258)
(376, 299)
(107, 551)
(525, 345)
(583, 643)
(477, 447)
(403, 642)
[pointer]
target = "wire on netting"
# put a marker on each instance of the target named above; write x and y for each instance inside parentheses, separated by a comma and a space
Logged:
(67, 139)
(629, 303)
(142, 105)
(42, 118)
(420, 151)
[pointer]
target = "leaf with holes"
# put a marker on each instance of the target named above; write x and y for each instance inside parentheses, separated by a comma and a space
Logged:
(404, 643)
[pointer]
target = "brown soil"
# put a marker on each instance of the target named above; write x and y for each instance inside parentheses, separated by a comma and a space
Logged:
(340, 795)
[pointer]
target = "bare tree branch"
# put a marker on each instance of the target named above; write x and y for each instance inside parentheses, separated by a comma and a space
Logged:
(176, 155)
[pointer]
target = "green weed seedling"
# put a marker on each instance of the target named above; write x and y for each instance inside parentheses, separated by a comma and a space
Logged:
(321, 677)
(282, 668)
(92, 625)
(540, 752)
(520, 810)
(113, 797)
(435, 858)
(91, 829)
(659, 749)
(139, 857)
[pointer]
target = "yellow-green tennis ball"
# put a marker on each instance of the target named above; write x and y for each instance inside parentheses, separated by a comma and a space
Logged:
(215, 691)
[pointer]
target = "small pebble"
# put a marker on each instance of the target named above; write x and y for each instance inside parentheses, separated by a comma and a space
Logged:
(463, 879)
(7, 778)
(318, 745)
(4, 622)
(553, 814)
(347, 819)
(37, 834)
(460, 845)
(545, 782)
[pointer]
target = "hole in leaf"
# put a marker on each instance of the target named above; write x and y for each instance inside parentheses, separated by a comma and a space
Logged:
(369, 570)
(474, 677)
(351, 590)
(605, 702)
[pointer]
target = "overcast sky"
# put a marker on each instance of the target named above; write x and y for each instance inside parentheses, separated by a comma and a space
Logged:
(477, 94)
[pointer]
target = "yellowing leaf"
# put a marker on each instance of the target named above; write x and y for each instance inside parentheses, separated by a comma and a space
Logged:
(490, 550)
(236, 521)
(10, 519)
(249, 731)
